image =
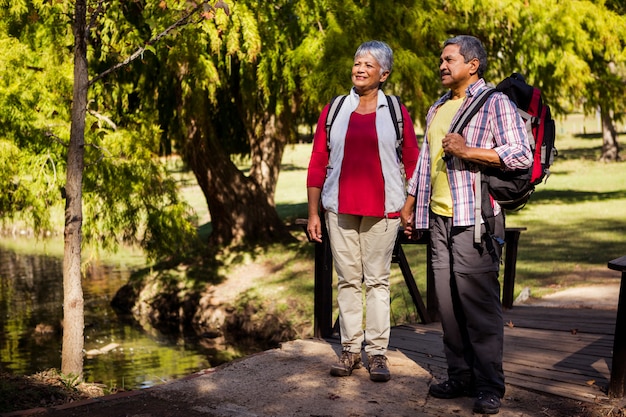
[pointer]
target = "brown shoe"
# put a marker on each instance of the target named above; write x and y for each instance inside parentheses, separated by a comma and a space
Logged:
(346, 364)
(379, 370)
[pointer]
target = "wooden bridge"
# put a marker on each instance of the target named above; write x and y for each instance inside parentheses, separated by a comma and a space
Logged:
(564, 352)
(572, 353)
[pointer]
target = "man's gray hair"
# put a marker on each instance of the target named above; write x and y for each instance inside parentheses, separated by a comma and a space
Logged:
(470, 47)
(380, 51)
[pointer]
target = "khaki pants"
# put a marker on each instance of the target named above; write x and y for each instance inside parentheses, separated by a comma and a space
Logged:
(362, 249)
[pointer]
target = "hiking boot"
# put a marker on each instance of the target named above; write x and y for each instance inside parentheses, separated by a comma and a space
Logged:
(379, 371)
(346, 364)
(452, 388)
(487, 403)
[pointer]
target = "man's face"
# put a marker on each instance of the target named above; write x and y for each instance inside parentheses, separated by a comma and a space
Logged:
(453, 69)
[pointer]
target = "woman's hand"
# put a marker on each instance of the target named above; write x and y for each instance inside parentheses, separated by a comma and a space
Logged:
(407, 212)
(407, 217)
(314, 228)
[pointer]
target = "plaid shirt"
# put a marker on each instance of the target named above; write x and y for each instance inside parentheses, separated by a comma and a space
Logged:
(498, 126)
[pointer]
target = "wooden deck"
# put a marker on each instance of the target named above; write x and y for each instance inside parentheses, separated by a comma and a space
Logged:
(564, 352)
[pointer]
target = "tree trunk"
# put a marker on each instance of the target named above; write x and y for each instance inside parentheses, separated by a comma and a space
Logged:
(267, 148)
(240, 208)
(610, 146)
(267, 153)
(73, 301)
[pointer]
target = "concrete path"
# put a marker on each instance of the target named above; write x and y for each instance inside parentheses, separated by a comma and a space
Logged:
(294, 381)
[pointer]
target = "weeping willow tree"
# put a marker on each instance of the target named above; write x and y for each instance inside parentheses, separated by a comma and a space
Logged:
(240, 85)
(226, 87)
(64, 147)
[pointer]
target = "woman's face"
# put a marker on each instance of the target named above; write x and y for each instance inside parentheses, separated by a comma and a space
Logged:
(366, 74)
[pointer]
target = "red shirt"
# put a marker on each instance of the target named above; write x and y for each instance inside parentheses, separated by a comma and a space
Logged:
(361, 190)
(361, 187)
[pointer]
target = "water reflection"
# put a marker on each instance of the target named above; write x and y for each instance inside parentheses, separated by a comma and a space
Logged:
(31, 311)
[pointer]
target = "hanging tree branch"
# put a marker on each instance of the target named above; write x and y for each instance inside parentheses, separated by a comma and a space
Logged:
(180, 22)
(94, 16)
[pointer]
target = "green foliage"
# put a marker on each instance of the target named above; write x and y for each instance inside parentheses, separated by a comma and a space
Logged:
(32, 128)
(128, 196)
(411, 28)
(574, 51)
(29, 185)
(70, 381)
(229, 75)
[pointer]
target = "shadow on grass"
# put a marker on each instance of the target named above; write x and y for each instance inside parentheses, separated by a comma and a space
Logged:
(584, 153)
(588, 154)
(595, 135)
(290, 212)
(292, 167)
(547, 244)
(572, 196)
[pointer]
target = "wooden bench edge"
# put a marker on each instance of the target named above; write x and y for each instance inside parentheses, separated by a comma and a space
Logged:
(618, 264)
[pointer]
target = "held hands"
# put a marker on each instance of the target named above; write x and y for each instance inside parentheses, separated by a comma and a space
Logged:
(407, 215)
(407, 223)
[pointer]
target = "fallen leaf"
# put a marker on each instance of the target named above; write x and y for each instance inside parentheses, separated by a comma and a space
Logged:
(510, 324)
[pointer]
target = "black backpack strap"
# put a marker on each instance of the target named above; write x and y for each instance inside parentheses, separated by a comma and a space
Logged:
(396, 116)
(333, 111)
(482, 202)
(477, 102)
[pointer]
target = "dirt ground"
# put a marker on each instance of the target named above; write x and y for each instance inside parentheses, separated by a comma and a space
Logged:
(294, 381)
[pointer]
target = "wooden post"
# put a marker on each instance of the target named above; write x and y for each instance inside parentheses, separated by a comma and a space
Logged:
(511, 237)
(399, 257)
(323, 290)
(617, 385)
(323, 321)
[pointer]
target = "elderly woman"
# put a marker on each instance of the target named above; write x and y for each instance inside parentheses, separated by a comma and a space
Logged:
(358, 176)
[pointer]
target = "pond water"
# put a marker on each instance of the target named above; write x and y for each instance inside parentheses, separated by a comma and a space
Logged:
(31, 312)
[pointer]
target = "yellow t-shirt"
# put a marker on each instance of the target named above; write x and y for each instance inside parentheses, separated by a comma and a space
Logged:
(441, 197)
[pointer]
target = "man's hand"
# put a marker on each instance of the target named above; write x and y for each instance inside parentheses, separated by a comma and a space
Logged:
(454, 145)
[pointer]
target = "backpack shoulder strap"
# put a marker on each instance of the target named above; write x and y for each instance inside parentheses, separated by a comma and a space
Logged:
(398, 121)
(475, 105)
(394, 108)
(477, 102)
(333, 111)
